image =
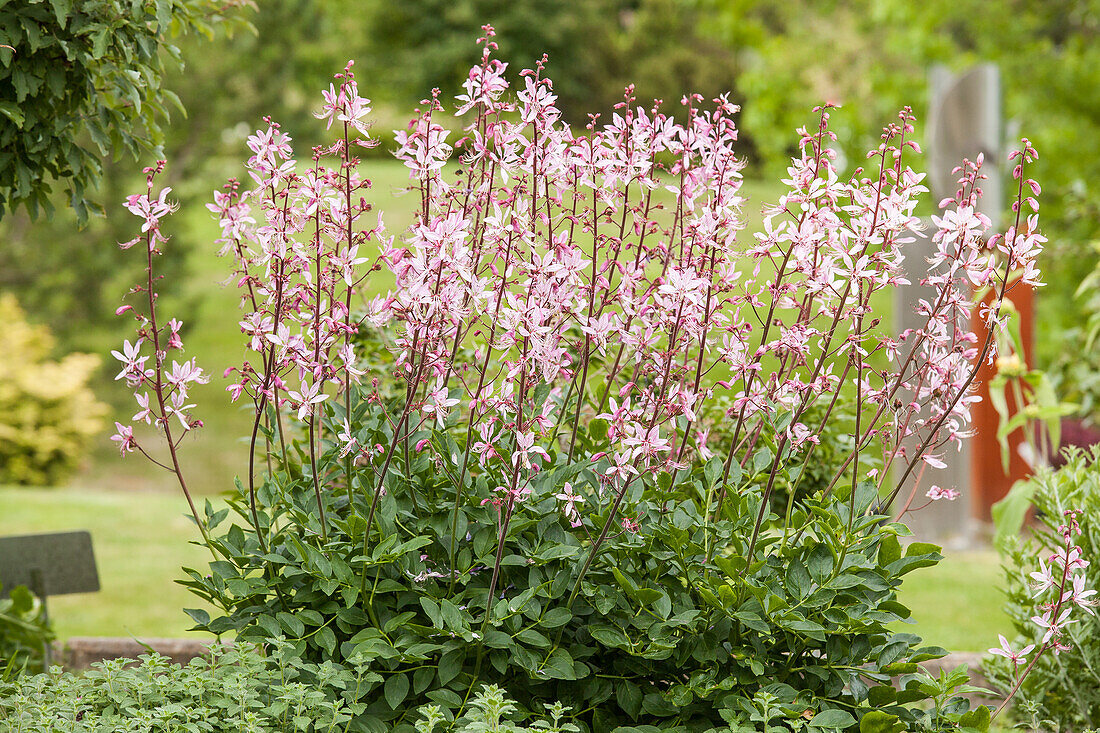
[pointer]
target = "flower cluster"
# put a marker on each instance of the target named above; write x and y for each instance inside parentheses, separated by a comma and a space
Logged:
(294, 239)
(161, 392)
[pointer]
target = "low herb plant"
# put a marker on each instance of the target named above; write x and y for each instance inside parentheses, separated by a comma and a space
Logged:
(1062, 691)
(528, 492)
(233, 689)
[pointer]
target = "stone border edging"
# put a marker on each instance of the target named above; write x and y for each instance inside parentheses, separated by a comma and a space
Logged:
(80, 652)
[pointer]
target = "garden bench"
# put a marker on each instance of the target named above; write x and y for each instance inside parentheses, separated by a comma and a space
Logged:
(51, 564)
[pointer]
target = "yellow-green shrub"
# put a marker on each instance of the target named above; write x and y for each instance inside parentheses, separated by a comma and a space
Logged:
(47, 412)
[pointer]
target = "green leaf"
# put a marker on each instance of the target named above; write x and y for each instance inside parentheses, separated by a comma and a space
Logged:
(832, 719)
(555, 617)
(396, 689)
(559, 666)
(609, 636)
(198, 615)
(1010, 512)
(450, 664)
(977, 718)
(452, 617)
(495, 639)
(876, 721)
(629, 697)
(326, 639)
(270, 625)
(13, 113)
(820, 563)
(880, 696)
(293, 626)
(889, 550)
(597, 429)
(421, 679)
(432, 609)
(761, 459)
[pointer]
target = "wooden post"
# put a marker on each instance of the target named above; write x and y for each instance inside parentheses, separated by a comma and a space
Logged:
(989, 481)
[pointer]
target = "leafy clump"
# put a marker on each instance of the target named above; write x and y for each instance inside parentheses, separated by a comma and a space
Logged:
(48, 414)
(658, 634)
(24, 633)
(79, 80)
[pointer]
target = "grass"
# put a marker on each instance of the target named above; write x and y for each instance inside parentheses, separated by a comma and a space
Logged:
(141, 542)
(957, 604)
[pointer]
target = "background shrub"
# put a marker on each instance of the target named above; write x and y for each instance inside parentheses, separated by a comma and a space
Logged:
(47, 412)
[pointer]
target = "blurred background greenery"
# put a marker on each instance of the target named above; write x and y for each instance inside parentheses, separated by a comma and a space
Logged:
(776, 60)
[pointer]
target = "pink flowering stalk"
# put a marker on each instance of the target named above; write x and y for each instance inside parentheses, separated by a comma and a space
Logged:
(1060, 580)
(161, 392)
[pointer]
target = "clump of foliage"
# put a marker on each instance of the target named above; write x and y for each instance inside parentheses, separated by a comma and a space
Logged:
(528, 494)
(81, 80)
(1062, 691)
(24, 633)
(48, 414)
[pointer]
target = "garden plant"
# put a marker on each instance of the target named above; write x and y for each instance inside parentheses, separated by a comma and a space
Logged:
(1061, 690)
(536, 440)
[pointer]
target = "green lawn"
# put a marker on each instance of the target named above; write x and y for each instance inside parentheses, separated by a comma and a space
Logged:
(141, 541)
(957, 604)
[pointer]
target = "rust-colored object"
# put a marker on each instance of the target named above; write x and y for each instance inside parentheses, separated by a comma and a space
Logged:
(989, 481)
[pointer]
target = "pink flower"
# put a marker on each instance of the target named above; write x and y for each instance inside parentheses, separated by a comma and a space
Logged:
(1043, 578)
(933, 461)
(1053, 627)
(1004, 650)
(144, 414)
(621, 467)
(525, 446)
(1079, 596)
(347, 439)
(133, 370)
(935, 493)
(124, 436)
(571, 500)
(151, 210)
(305, 398)
(701, 437)
(439, 404)
(174, 341)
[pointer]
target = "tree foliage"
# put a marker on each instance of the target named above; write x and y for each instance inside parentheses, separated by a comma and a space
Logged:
(81, 80)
